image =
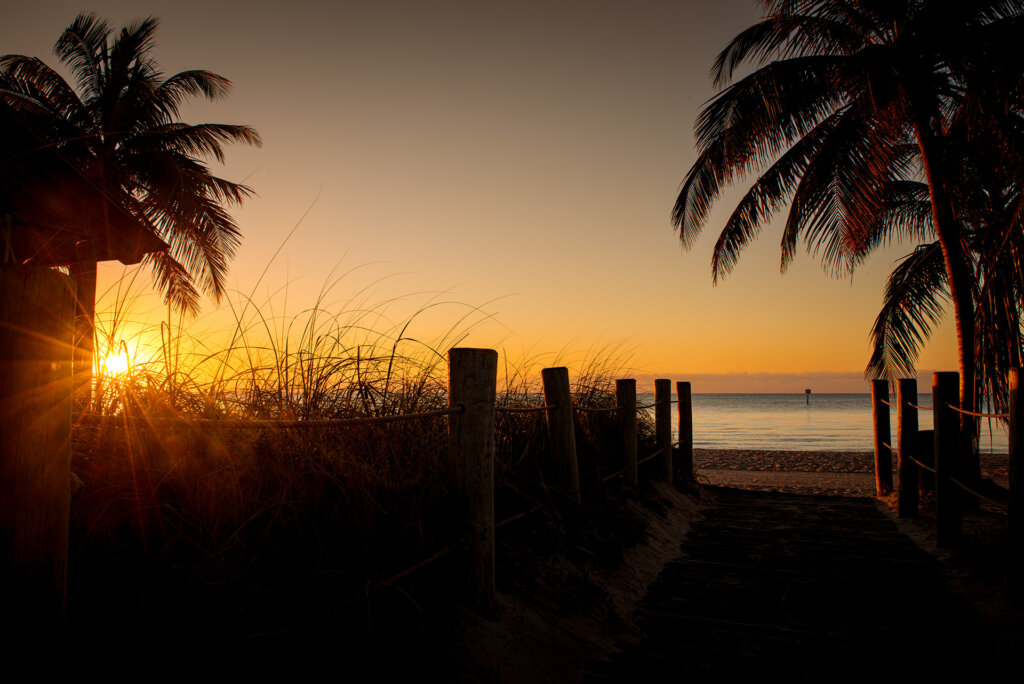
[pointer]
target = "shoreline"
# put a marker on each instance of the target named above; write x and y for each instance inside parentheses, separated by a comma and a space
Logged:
(836, 473)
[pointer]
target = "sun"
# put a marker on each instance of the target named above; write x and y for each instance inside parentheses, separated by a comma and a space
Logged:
(116, 364)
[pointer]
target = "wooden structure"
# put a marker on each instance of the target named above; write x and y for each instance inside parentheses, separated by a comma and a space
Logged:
(907, 449)
(51, 209)
(562, 431)
(685, 410)
(472, 378)
(934, 458)
(472, 402)
(948, 499)
(36, 313)
(51, 214)
(625, 399)
(663, 425)
(882, 433)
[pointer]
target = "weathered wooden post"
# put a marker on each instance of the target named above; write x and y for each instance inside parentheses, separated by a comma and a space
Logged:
(949, 510)
(883, 436)
(926, 455)
(84, 273)
(561, 432)
(1016, 462)
(685, 408)
(37, 307)
(663, 425)
(906, 421)
(625, 399)
(472, 380)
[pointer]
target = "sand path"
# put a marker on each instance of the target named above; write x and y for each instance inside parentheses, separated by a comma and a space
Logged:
(806, 472)
(780, 587)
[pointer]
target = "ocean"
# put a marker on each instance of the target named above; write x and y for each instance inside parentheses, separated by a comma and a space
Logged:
(830, 422)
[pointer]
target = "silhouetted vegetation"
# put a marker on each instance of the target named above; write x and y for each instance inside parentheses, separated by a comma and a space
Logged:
(119, 124)
(875, 122)
(189, 514)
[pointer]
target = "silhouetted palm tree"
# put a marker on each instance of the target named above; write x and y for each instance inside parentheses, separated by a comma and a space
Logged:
(988, 201)
(850, 101)
(120, 124)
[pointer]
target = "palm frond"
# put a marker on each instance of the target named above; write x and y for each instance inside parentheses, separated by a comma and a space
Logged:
(842, 191)
(81, 47)
(906, 215)
(772, 190)
(782, 36)
(177, 89)
(175, 282)
(914, 300)
(29, 81)
(749, 125)
(198, 140)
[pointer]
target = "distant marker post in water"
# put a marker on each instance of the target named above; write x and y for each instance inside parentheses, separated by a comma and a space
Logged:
(808, 393)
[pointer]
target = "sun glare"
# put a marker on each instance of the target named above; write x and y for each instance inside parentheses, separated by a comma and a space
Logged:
(116, 364)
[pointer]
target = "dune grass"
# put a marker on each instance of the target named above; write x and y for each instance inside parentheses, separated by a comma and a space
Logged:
(180, 488)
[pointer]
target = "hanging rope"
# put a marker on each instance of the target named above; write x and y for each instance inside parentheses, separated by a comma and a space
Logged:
(978, 415)
(583, 409)
(531, 409)
(240, 422)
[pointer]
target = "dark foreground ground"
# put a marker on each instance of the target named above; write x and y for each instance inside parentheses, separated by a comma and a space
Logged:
(802, 588)
(699, 584)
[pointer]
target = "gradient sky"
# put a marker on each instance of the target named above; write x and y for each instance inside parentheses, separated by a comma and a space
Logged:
(518, 159)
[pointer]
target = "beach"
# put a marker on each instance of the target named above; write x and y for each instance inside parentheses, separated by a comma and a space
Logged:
(839, 473)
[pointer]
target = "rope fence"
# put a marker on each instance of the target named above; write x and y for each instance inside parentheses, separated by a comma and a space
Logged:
(563, 453)
(526, 409)
(913, 406)
(471, 436)
(93, 420)
(955, 469)
(919, 464)
(977, 415)
(656, 404)
(971, 490)
(597, 409)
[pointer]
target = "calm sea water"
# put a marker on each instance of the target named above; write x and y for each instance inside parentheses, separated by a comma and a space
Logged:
(830, 422)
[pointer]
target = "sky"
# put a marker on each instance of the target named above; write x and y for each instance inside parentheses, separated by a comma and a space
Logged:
(501, 173)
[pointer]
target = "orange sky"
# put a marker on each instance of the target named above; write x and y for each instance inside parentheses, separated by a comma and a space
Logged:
(518, 159)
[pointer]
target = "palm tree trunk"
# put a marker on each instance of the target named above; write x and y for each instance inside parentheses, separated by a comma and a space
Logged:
(84, 274)
(958, 275)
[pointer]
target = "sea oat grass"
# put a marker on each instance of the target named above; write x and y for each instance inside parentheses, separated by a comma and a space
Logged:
(197, 490)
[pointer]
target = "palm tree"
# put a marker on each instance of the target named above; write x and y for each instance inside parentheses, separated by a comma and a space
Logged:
(988, 201)
(850, 102)
(120, 124)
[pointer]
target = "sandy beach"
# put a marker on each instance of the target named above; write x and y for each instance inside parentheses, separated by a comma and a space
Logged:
(838, 473)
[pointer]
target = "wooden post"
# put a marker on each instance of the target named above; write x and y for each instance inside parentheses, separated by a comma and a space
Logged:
(561, 431)
(883, 436)
(663, 425)
(37, 308)
(949, 511)
(906, 421)
(1016, 462)
(472, 380)
(685, 406)
(83, 273)
(926, 455)
(625, 399)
